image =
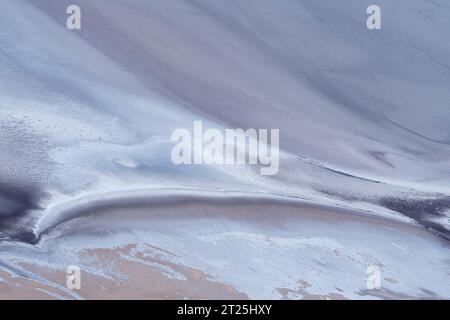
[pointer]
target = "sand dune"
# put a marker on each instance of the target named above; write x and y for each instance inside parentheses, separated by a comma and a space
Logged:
(86, 118)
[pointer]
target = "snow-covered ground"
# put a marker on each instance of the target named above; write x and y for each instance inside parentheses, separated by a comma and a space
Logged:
(86, 117)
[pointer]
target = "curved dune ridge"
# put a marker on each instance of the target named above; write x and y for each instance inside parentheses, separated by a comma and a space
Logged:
(212, 246)
(86, 118)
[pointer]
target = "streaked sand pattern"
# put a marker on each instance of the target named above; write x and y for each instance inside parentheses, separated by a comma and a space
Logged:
(221, 247)
(85, 171)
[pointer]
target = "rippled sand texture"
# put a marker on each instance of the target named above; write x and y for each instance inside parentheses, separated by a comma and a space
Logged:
(86, 176)
(207, 247)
